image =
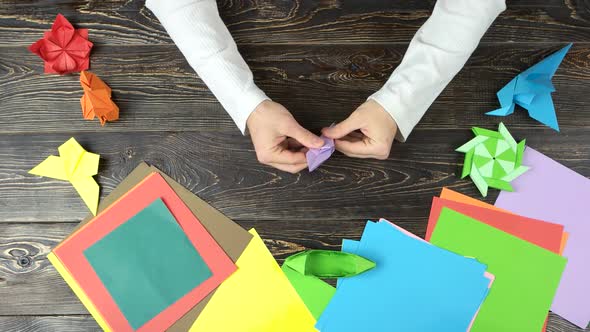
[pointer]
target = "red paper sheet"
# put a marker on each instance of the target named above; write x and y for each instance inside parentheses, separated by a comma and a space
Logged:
(449, 194)
(544, 234)
(154, 186)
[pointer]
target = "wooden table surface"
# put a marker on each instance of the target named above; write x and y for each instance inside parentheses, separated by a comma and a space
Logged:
(320, 59)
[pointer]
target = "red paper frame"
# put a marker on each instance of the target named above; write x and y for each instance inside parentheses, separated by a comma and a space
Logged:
(71, 254)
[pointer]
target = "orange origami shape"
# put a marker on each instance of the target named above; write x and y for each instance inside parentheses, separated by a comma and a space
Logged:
(63, 48)
(96, 101)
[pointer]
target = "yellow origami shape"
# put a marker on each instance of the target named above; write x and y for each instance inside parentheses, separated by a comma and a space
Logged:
(76, 165)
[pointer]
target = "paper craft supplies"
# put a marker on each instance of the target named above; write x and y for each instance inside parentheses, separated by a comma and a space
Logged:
(551, 191)
(230, 236)
(313, 291)
(77, 166)
(411, 277)
(544, 234)
(96, 101)
(328, 263)
(492, 159)
(71, 255)
(315, 157)
(532, 90)
(526, 276)
(256, 298)
(63, 48)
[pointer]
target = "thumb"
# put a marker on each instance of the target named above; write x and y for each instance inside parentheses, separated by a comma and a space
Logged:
(305, 137)
(342, 129)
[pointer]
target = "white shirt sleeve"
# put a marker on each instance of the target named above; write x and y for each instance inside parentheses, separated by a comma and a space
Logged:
(436, 54)
(203, 38)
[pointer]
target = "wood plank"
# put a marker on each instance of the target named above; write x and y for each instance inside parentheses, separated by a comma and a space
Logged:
(36, 290)
(86, 323)
(48, 323)
(221, 167)
(288, 22)
(157, 90)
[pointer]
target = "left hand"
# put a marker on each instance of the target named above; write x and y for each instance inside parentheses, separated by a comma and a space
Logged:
(367, 133)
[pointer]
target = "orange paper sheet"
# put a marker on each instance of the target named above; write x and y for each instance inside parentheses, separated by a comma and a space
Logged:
(451, 195)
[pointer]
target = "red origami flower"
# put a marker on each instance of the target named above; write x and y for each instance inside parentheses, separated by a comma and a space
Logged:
(64, 49)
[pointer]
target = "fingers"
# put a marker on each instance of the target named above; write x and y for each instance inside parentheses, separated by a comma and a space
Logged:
(293, 145)
(304, 136)
(279, 155)
(343, 128)
(293, 169)
(362, 149)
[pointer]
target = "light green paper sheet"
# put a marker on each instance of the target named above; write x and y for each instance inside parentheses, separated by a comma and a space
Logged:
(315, 293)
(304, 270)
(527, 276)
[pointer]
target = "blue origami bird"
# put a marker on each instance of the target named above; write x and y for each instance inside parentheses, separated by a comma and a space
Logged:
(532, 89)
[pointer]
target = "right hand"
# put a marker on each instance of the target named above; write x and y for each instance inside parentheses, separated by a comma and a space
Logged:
(278, 139)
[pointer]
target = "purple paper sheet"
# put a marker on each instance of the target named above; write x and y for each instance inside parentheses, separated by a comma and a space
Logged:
(553, 192)
(315, 157)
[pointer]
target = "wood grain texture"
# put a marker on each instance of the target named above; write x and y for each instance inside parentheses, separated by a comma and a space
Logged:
(157, 90)
(48, 323)
(86, 323)
(321, 59)
(221, 168)
(30, 282)
(333, 22)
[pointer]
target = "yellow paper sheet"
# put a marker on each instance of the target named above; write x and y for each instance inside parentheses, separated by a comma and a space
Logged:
(76, 165)
(65, 274)
(256, 298)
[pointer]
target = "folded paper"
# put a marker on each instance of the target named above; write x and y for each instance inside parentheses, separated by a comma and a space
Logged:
(492, 159)
(71, 253)
(315, 157)
(76, 165)
(532, 90)
(328, 263)
(230, 236)
(526, 275)
(256, 298)
(551, 191)
(96, 101)
(411, 277)
(63, 48)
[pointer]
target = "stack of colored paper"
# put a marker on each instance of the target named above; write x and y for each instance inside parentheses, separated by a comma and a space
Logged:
(411, 278)
(551, 191)
(522, 253)
(157, 258)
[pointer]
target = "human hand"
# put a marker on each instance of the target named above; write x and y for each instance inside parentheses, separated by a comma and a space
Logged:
(367, 133)
(278, 139)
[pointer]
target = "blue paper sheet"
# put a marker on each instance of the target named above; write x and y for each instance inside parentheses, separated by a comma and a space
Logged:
(532, 89)
(415, 287)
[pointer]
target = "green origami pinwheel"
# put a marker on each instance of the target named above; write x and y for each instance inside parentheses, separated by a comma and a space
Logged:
(493, 159)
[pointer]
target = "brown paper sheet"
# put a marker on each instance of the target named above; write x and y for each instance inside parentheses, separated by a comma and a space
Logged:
(229, 235)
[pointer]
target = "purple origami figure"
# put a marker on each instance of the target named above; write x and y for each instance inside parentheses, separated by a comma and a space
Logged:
(315, 157)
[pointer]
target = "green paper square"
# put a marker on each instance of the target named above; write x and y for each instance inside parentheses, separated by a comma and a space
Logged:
(314, 292)
(526, 276)
(147, 263)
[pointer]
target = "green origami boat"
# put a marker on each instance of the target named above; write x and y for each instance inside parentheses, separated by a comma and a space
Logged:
(328, 264)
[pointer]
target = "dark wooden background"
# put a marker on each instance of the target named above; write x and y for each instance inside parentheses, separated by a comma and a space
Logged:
(321, 59)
